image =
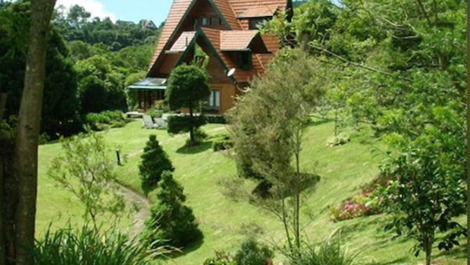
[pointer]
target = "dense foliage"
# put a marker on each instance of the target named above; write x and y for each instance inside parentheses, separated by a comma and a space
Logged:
(88, 64)
(77, 25)
(88, 246)
(171, 222)
(105, 120)
(60, 106)
(404, 75)
(154, 162)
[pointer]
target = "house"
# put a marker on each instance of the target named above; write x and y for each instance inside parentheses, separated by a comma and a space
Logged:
(226, 30)
(147, 24)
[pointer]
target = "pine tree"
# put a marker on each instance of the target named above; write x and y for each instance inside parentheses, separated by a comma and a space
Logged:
(154, 162)
(171, 222)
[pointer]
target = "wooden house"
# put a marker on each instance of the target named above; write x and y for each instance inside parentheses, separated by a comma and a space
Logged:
(226, 30)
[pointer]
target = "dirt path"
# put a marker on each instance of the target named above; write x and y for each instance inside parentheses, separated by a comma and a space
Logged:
(140, 205)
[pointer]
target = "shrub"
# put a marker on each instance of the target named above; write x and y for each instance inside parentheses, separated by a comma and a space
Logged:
(329, 253)
(91, 247)
(181, 124)
(341, 139)
(154, 162)
(222, 142)
(217, 119)
(171, 221)
(221, 258)
(156, 113)
(106, 119)
(353, 208)
(251, 253)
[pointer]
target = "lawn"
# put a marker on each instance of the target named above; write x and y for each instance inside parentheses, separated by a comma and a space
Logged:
(224, 222)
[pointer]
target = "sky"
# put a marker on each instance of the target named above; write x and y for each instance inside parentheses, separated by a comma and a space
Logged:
(128, 10)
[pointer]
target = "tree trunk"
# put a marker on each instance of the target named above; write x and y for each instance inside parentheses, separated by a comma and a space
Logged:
(3, 104)
(26, 149)
(3, 253)
(191, 127)
(468, 135)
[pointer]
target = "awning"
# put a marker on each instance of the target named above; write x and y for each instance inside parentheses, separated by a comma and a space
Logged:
(150, 84)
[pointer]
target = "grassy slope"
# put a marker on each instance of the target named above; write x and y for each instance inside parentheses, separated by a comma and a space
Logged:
(343, 170)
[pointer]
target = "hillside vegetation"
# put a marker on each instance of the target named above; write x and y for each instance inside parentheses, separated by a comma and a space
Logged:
(224, 222)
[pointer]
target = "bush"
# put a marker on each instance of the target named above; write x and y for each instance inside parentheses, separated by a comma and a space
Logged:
(154, 162)
(251, 253)
(341, 139)
(221, 142)
(329, 253)
(106, 119)
(90, 247)
(171, 221)
(221, 258)
(218, 119)
(182, 124)
(156, 113)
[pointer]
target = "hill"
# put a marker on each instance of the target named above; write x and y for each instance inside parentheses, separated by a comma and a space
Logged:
(226, 223)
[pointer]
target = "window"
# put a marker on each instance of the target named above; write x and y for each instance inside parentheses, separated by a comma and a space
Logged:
(204, 21)
(215, 21)
(214, 99)
(245, 60)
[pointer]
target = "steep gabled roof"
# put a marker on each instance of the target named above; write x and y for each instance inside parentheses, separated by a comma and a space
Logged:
(236, 40)
(228, 13)
(178, 9)
(183, 42)
(241, 6)
(259, 11)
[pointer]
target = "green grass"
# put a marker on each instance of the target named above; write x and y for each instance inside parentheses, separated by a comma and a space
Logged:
(343, 171)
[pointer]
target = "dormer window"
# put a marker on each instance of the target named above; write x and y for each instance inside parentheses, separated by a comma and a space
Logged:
(246, 60)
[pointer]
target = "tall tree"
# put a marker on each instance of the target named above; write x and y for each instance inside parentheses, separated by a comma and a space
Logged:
(26, 149)
(187, 87)
(267, 128)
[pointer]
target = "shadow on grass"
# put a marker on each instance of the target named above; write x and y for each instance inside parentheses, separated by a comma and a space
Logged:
(189, 150)
(188, 249)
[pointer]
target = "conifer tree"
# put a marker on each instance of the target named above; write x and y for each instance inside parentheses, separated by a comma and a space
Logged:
(171, 222)
(154, 162)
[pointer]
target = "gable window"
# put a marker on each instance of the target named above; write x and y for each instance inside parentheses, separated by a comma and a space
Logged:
(215, 21)
(214, 99)
(246, 60)
(204, 21)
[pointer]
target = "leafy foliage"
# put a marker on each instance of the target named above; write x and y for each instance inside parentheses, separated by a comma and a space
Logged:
(171, 221)
(85, 170)
(180, 124)
(154, 162)
(427, 193)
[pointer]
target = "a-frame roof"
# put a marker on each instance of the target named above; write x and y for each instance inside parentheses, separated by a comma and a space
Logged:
(229, 11)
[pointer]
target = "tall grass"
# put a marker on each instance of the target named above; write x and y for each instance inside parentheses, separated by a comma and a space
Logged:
(328, 253)
(87, 246)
